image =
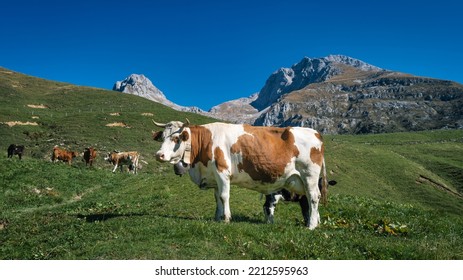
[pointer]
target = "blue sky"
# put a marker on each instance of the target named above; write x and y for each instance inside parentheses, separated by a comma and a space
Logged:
(202, 53)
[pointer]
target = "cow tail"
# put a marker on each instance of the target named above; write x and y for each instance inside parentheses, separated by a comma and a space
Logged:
(324, 191)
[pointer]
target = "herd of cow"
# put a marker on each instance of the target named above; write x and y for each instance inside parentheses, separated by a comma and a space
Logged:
(118, 159)
(280, 163)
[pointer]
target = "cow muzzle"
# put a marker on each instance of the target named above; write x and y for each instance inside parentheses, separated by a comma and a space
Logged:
(160, 156)
(181, 168)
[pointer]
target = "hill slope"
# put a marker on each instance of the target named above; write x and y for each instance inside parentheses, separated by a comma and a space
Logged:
(398, 195)
(49, 113)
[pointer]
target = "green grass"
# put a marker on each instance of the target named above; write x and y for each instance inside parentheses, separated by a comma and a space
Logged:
(398, 195)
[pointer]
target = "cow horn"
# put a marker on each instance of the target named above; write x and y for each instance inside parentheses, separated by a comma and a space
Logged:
(163, 125)
(187, 123)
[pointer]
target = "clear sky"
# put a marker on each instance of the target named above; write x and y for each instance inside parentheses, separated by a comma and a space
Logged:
(202, 53)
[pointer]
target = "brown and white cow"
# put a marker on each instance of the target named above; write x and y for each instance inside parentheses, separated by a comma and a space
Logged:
(264, 159)
(89, 155)
(124, 158)
(62, 154)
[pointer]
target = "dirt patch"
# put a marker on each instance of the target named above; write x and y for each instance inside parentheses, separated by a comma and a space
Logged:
(115, 114)
(38, 106)
(147, 114)
(118, 124)
(13, 123)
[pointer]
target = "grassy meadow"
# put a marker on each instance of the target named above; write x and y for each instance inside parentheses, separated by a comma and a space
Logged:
(399, 195)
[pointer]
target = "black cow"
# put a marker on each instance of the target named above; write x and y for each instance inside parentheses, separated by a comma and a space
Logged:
(15, 150)
(272, 199)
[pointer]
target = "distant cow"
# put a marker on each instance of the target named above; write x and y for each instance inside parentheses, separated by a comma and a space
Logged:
(124, 158)
(272, 199)
(62, 154)
(89, 155)
(15, 150)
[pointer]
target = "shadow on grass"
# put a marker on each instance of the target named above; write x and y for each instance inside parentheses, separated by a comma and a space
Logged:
(235, 219)
(101, 217)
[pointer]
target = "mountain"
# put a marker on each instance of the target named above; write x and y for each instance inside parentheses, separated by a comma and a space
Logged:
(338, 94)
(307, 71)
(138, 84)
(237, 111)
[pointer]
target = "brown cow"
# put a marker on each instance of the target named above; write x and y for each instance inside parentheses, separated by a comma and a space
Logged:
(62, 154)
(89, 155)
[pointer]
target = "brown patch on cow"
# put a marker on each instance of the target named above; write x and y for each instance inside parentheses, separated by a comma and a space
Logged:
(220, 162)
(265, 152)
(184, 135)
(201, 145)
(316, 155)
(319, 136)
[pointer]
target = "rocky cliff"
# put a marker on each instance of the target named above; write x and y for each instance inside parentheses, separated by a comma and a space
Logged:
(307, 71)
(140, 85)
(370, 102)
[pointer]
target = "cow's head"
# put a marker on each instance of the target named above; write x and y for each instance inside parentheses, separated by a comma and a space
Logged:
(109, 156)
(175, 143)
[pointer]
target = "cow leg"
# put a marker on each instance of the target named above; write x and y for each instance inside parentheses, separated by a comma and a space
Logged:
(115, 167)
(223, 196)
(269, 207)
(313, 198)
(219, 205)
(135, 168)
(304, 203)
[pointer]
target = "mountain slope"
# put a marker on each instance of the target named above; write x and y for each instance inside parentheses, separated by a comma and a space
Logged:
(49, 113)
(354, 102)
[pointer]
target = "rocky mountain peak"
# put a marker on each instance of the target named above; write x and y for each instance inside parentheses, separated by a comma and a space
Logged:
(138, 84)
(303, 73)
(343, 59)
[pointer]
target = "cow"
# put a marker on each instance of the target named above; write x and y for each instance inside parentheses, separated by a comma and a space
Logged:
(123, 158)
(62, 154)
(89, 155)
(14, 149)
(272, 199)
(264, 159)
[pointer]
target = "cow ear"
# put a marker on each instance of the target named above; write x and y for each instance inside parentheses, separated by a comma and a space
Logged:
(184, 136)
(157, 136)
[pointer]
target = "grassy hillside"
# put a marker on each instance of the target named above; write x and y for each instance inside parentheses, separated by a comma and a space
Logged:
(399, 196)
